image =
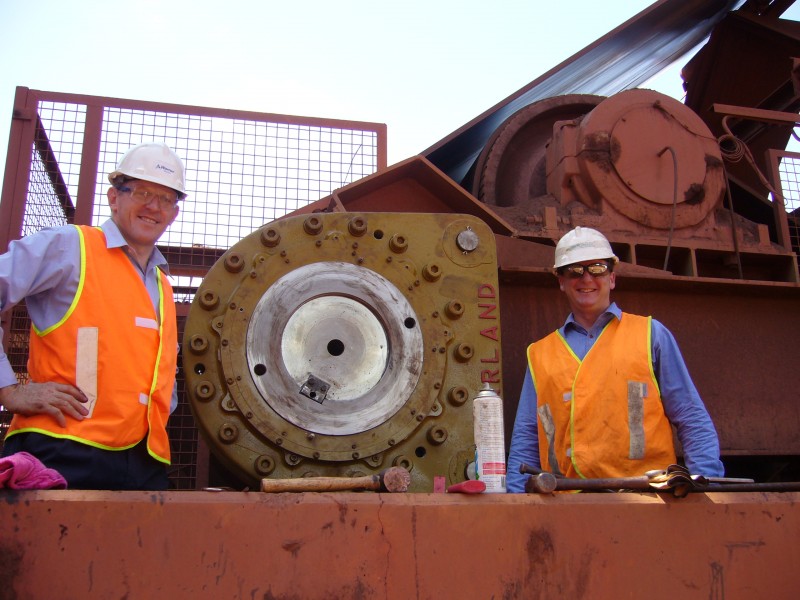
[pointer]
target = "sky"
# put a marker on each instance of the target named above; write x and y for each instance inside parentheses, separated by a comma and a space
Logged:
(422, 67)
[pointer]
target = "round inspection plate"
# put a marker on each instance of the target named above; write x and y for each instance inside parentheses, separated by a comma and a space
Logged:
(334, 348)
(338, 339)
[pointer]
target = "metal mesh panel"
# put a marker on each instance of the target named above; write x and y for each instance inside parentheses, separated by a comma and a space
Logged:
(789, 170)
(15, 335)
(241, 173)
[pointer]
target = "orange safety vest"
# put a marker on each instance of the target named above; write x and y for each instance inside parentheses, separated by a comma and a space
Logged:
(601, 416)
(136, 358)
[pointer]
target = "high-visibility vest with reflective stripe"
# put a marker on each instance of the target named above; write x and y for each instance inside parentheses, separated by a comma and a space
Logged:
(136, 357)
(602, 416)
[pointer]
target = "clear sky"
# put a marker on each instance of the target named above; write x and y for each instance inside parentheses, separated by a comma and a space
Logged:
(423, 67)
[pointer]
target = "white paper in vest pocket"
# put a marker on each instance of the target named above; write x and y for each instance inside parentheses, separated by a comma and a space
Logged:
(86, 365)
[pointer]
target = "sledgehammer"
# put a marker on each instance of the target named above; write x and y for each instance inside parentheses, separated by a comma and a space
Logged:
(393, 479)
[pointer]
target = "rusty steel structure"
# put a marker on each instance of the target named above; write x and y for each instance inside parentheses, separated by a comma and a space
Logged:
(348, 333)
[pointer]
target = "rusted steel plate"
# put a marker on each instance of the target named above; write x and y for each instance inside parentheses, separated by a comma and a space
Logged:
(735, 340)
(73, 544)
(621, 59)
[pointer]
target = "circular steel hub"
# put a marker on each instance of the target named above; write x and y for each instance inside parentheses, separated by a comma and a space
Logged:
(342, 336)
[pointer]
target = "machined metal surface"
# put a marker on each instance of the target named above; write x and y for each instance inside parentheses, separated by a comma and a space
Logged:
(367, 362)
(343, 343)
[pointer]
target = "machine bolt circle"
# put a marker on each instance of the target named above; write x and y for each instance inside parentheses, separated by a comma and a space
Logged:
(464, 352)
(357, 226)
(420, 417)
(398, 243)
(205, 391)
(264, 465)
(312, 225)
(270, 238)
(228, 433)
(403, 461)
(356, 455)
(437, 435)
(209, 300)
(234, 262)
(431, 272)
(457, 396)
(198, 344)
(454, 309)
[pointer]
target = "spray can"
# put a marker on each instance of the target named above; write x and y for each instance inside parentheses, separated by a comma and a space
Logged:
(490, 448)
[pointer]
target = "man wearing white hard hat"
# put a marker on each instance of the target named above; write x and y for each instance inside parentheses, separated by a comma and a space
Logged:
(103, 344)
(602, 393)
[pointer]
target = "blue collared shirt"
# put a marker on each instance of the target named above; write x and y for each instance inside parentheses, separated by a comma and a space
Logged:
(44, 270)
(682, 403)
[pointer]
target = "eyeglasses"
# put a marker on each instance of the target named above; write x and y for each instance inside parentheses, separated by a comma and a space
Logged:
(143, 197)
(576, 271)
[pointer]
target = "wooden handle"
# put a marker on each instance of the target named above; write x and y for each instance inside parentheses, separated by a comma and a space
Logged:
(321, 484)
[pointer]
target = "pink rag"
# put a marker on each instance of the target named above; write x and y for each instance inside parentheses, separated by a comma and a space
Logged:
(23, 471)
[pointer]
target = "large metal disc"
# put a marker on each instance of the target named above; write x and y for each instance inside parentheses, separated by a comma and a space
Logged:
(334, 348)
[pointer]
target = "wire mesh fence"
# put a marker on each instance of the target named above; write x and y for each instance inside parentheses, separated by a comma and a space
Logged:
(242, 170)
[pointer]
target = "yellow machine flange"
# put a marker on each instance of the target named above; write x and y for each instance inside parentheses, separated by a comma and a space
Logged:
(345, 343)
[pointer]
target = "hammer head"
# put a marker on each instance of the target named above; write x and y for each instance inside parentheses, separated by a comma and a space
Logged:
(394, 479)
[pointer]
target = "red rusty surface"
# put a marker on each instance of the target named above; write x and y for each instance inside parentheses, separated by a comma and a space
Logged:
(74, 544)
(735, 338)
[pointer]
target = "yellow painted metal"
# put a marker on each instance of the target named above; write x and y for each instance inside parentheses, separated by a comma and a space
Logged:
(395, 316)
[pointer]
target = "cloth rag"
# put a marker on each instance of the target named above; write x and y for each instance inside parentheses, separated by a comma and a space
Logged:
(23, 471)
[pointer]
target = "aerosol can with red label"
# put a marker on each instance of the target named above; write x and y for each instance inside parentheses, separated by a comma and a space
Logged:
(490, 448)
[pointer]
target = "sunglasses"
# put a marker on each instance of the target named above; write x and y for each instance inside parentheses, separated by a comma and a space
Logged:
(576, 271)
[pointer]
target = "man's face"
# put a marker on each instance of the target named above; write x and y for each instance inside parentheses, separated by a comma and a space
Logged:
(587, 292)
(142, 210)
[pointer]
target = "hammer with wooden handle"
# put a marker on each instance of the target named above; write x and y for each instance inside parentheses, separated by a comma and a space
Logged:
(393, 479)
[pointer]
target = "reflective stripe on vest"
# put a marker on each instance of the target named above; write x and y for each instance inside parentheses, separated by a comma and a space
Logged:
(602, 416)
(132, 363)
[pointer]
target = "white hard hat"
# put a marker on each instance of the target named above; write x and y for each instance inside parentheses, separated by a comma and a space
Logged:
(154, 162)
(580, 244)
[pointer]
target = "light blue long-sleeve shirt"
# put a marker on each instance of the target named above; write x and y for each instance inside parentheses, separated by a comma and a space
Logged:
(44, 270)
(682, 403)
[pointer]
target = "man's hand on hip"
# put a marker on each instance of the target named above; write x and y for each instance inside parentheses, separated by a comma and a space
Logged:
(58, 400)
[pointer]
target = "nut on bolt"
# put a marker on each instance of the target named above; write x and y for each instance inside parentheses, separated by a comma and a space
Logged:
(312, 225)
(357, 226)
(431, 272)
(234, 262)
(457, 396)
(398, 243)
(209, 300)
(270, 237)
(463, 352)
